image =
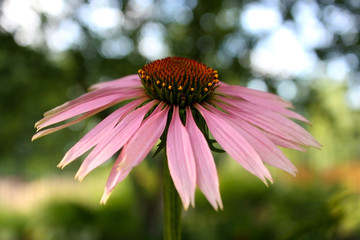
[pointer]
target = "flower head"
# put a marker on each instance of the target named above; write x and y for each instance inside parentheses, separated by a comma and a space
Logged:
(179, 101)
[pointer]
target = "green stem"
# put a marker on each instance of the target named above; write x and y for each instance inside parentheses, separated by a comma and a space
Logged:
(172, 207)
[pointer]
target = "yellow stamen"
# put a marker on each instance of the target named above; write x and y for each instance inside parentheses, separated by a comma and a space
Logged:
(157, 82)
(163, 84)
(180, 88)
(147, 77)
(205, 89)
(209, 84)
(170, 87)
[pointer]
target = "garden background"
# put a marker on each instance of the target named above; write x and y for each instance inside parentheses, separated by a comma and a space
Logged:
(305, 51)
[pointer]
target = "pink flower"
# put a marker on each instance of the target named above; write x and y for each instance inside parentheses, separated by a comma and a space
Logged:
(180, 101)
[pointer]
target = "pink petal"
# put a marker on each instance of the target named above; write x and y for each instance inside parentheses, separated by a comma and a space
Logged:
(74, 121)
(206, 174)
(267, 150)
(105, 88)
(125, 82)
(254, 96)
(115, 177)
(272, 123)
(115, 141)
(238, 91)
(55, 129)
(181, 159)
(98, 133)
(87, 97)
(261, 142)
(144, 139)
(266, 107)
(230, 139)
(284, 142)
(136, 149)
(86, 103)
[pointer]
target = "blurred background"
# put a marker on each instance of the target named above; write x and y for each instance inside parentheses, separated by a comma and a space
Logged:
(305, 51)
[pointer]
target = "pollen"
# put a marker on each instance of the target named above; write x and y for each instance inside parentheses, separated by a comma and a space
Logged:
(179, 80)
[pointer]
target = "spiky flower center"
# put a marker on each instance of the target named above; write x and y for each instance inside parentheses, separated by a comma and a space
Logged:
(178, 80)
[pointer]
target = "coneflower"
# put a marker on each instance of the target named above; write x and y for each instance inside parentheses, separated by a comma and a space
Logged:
(181, 101)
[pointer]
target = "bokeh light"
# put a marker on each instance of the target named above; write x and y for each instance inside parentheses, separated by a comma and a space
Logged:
(305, 51)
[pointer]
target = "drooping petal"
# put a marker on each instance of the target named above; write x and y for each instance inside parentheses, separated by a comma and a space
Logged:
(115, 141)
(85, 98)
(86, 103)
(237, 90)
(254, 96)
(144, 139)
(68, 124)
(74, 121)
(181, 159)
(125, 82)
(272, 123)
(136, 149)
(115, 177)
(206, 174)
(282, 142)
(98, 133)
(229, 138)
(268, 107)
(267, 150)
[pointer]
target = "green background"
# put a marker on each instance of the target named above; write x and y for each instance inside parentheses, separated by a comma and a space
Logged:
(39, 201)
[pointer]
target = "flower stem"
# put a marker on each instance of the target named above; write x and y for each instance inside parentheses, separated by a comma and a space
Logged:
(172, 207)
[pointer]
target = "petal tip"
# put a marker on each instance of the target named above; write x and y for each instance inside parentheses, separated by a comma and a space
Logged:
(268, 180)
(79, 176)
(105, 197)
(64, 161)
(221, 206)
(186, 206)
(318, 146)
(61, 165)
(193, 202)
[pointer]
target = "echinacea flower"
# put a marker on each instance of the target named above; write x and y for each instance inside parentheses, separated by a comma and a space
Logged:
(181, 102)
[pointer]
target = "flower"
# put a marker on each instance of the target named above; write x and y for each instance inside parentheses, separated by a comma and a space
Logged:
(179, 101)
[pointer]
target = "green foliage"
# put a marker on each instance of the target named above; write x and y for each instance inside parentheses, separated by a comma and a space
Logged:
(251, 211)
(34, 80)
(73, 221)
(254, 212)
(12, 225)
